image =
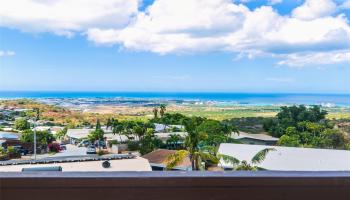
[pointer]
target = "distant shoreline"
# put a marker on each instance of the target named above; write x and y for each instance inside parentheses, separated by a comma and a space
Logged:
(329, 100)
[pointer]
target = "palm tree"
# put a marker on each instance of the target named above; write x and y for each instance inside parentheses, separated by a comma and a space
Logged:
(162, 109)
(173, 140)
(155, 113)
(196, 154)
(243, 165)
(117, 128)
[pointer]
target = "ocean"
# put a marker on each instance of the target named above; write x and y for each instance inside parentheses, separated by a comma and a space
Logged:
(238, 98)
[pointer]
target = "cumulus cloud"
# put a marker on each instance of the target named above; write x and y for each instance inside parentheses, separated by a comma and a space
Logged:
(7, 53)
(319, 58)
(65, 17)
(192, 26)
(220, 25)
(313, 9)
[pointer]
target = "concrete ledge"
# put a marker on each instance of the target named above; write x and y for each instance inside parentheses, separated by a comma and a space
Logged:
(176, 185)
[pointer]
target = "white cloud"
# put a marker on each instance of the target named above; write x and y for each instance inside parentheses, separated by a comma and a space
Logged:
(7, 53)
(219, 25)
(345, 5)
(319, 58)
(65, 17)
(191, 26)
(313, 9)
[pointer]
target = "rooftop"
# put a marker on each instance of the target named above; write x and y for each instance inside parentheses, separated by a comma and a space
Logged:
(159, 156)
(260, 136)
(290, 158)
(81, 163)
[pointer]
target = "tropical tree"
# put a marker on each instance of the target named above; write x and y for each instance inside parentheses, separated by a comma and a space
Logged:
(173, 141)
(196, 153)
(21, 124)
(97, 134)
(243, 165)
(155, 113)
(162, 108)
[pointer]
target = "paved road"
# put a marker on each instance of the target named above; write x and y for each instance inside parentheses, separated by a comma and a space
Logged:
(72, 150)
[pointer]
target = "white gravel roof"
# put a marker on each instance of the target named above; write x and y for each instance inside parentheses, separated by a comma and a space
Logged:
(260, 136)
(136, 164)
(290, 158)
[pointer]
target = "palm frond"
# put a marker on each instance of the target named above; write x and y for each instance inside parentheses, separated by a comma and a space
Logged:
(261, 155)
(208, 157)
(229, 159)
(175, 159)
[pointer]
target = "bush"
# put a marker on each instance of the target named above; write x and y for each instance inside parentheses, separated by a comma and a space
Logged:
(11, 149)
(2, 151)
(54, 147)
(21, 124)
(133, 145)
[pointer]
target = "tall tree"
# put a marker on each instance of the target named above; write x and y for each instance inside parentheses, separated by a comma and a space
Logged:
(162, 109)
(155, 113)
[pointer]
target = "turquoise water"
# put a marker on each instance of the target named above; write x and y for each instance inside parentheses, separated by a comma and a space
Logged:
(241, 98)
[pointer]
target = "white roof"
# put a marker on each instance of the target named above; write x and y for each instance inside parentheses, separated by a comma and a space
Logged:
(78, 133)
(84, 132)
(42, 128)
(136, 164)
(290, 158)
(259, 136)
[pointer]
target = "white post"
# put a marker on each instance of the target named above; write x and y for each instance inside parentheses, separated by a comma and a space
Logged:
(34, 141)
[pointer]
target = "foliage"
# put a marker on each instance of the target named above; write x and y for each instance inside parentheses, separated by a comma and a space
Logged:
(173, 141)
(162, 108)
(175, 159)
(247, 124)
(96, 135)
(216, 132)
(43, 137)
(243, 165)
(133, 145)
(291, 116)
(21, 124)
(170, 118)
(149, 142)
(54, 147)
(11, 149)
(2, 151)
(310, 134)
(61, 133)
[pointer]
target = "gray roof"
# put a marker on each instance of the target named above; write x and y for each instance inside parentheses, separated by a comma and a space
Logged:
(260, 136)
(290, 158)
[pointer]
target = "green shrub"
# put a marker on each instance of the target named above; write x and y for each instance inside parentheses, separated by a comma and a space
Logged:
(11, 149)
(133, 145)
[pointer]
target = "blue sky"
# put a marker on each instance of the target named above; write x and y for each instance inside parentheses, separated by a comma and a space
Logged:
(218, 45)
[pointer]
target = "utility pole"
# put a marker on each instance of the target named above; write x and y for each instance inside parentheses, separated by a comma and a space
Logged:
(36, 119)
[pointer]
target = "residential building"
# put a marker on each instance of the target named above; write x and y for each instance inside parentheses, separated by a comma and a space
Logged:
(289, 158)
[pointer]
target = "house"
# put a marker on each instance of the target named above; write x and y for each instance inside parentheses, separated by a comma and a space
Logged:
(159, 128)
(260, 139)
(289, 158)
(75, 135)
(8, 136)
(158, 157)
(91, 163)
(165, 136)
